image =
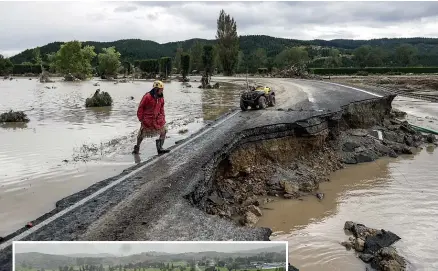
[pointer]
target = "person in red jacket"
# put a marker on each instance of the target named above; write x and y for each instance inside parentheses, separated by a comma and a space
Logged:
(150, 113)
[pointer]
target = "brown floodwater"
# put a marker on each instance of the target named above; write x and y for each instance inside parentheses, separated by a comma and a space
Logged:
(66, 147)
(399, 195)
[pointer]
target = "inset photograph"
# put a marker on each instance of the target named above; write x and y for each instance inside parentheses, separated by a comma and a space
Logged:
(149, 256)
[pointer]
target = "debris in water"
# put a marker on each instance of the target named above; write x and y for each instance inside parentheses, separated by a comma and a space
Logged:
(183, 131)
(374, 246)
(99, 99)
(320, 196)
(14, 116)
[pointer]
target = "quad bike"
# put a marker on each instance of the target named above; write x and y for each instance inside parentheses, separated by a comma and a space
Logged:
(260, 98)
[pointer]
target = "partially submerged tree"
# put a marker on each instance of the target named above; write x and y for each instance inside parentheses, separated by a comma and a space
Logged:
(99, 99)
(207, 61)
(196, 56)
(109, 62)
(165, 67)
(228, 42)
(74, 61)
(185, 65)
(151, 67)
(178, 55)
(14, 116)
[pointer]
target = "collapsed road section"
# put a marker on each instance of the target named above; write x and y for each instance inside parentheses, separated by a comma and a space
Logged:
(169, 197)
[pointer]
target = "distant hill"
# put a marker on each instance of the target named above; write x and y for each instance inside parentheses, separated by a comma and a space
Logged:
(136, 49)
(48, 261)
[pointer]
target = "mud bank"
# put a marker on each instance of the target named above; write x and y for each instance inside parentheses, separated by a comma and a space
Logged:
(255, 169)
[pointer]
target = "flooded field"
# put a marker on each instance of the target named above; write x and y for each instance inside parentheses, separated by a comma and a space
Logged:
(66, 147)
(394, 194)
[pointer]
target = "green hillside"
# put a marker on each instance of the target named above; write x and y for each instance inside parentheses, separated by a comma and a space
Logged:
(133, 49)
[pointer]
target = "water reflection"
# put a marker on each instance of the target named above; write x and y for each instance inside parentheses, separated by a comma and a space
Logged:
(13, 125)
(216, 102)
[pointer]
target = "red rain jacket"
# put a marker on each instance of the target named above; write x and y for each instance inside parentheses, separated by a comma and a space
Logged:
(150, 111)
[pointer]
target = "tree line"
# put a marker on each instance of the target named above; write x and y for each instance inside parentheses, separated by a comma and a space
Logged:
(227, 54)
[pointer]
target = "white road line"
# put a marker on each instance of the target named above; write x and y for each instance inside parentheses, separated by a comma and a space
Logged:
(358, 89)
(103, 189)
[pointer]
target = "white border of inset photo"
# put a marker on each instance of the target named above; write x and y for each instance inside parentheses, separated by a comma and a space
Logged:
(150, 242)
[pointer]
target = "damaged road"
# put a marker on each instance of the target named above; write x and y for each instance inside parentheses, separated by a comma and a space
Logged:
(166, 197)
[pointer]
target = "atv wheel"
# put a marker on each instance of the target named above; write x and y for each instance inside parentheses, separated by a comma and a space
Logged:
(243, 106)
(272, 103)
(262, 102)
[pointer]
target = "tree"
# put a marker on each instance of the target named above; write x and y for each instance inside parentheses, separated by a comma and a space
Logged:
(165, 66)
(37, 57)
(333, 59)
(291, 56)
(207, 59)
(72, 58)
(185, 67)
(179, 52)
(6, 66)
(361, 55)
(196, 56)
(228, 42)
(406, 54)
(257, 59)
(109, 61)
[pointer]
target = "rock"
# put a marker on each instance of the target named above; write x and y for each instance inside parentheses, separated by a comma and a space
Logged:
(380, 240)
(255, 210)
(288, 196)
(430, 138)
(359, 244)
(350, 146)
(292, 268)
(388, 259)
(289, 188)
(320, 196)
(347, 245)
(366, 257)
(251, 219)
(215, 199)
(96, 84)
(349, 225)
(366, 156)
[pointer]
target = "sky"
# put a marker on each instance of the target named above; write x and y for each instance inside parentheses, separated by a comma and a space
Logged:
(119, 248)
(29, 24)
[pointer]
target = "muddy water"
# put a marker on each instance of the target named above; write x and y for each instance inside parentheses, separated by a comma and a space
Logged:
(66, 147)
(394, 194)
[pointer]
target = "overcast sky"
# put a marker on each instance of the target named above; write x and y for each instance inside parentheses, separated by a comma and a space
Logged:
(128, 249)
(30, 24)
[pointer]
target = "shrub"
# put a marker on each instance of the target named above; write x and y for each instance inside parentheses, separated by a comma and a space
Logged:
(362, 73)
(14, 116)
(99, 99)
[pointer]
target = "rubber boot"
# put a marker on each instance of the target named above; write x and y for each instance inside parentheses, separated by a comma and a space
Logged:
(159, 143)
(136, 149)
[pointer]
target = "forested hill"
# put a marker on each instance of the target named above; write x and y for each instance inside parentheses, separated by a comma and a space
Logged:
(134, 49)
